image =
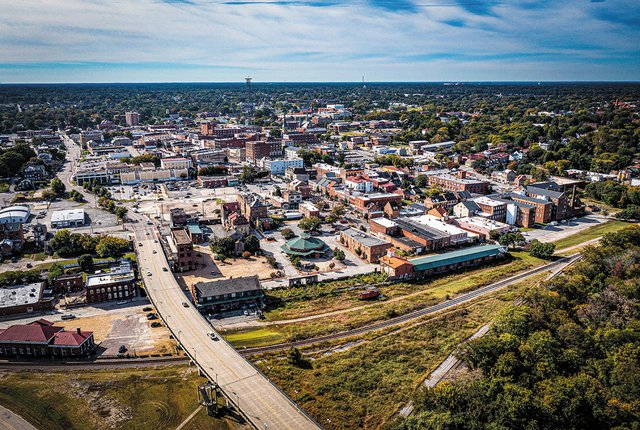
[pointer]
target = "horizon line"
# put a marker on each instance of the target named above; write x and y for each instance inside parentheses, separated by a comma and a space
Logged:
(326, 82)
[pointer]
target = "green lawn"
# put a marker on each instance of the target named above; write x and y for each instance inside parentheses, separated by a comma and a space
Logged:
(158, 398)
(591, 233)
(254, 337)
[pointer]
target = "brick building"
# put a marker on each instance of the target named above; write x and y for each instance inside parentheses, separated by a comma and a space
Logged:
(117, 284)
(459, 183)
(68, 283)
(178, 217)
(183, 252)
(42, 339)
(371, 248)
(258, 149)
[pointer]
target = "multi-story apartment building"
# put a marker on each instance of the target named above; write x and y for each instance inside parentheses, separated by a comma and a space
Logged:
(543, 208)
(492, 209)
(132, 118)
(258, 149)
(459, 183)
(183, 252)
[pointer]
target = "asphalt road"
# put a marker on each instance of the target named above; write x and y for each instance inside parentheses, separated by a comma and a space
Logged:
(264, 405)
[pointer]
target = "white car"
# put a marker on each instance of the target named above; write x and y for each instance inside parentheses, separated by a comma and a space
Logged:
(212, 335)
(148, 273)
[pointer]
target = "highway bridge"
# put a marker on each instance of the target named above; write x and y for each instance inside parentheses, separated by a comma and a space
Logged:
(263, 404)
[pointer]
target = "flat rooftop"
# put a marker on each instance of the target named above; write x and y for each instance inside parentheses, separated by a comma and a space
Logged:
(19, 295)
(364, 238)
(68, 215)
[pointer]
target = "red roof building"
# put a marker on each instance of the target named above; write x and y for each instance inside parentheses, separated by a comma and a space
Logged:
(43, 339)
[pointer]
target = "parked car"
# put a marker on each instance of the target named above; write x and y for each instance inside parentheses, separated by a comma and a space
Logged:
(67, 316)
(185, 304)
(122, 349)
(148, 273)
(156, 324)
(164, 269)
(152, 316)
(212, 335)
(147, 309)
(155, 252)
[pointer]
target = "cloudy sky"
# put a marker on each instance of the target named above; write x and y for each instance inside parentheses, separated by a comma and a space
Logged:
(318, 40)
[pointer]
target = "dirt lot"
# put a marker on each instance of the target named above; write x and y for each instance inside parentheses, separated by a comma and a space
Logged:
(231, 268)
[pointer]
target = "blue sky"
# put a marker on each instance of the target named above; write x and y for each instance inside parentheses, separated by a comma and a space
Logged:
(318, 40)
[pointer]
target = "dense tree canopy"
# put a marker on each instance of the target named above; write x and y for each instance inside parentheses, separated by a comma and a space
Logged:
(568, 358)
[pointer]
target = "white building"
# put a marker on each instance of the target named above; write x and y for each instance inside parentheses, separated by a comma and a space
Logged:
(68, 218)
(13, 214)
(357, 183)
(291, 152)
(280, 166)
(458, 235)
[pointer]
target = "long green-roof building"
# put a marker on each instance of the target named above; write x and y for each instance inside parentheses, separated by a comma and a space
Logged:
(397, 267)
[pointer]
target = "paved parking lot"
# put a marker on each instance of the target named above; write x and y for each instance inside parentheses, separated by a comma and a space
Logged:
(562, 230)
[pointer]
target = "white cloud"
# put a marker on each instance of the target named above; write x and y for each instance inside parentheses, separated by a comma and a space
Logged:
(521, 40)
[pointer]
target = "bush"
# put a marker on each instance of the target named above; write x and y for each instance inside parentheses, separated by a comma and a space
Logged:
(246, 254)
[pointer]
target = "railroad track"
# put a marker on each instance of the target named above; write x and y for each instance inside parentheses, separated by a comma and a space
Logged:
(462, 298)
(90, 365)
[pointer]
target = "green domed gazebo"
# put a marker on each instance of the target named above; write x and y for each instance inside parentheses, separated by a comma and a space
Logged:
(305, 246)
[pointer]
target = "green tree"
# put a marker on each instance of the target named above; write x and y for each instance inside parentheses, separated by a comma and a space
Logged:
(287, 233)
(114, 247)
(251, 244)
(338, 254)
(541, 250)
(224, 247)
(85, 262)
(121, 213)
(58, 187)
(310, 223)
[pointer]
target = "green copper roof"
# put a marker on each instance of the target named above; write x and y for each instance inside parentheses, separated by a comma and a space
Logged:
(459, 256)
(304, 245)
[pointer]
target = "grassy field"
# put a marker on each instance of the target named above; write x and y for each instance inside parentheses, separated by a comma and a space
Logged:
(591, 233)
(401, 299)
(297, 302)
(138, 399)
(363, 386)
(257, 337)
